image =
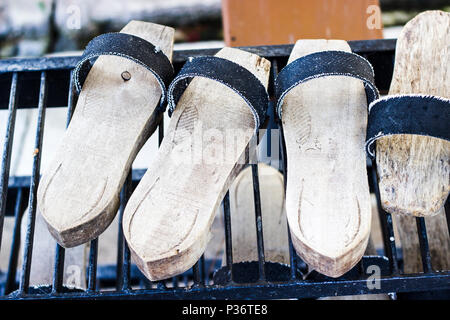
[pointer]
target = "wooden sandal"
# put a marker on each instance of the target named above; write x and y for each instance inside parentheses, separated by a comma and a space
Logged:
(273, 214)
(168, 218)
(322, 95)
(117, 110)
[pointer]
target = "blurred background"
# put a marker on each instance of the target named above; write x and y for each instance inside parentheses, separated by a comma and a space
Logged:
(38, 27)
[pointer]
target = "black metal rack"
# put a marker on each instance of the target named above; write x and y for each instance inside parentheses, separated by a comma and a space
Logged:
(46, 82)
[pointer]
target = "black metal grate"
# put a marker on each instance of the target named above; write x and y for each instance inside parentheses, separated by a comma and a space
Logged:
(46, 82)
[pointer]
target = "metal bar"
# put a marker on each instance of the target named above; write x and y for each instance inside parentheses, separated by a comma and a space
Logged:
(38, 64)
(123, 253)
(424, 248)
(92, 267)
(196, 274)
(387, 229)
(281, 51)
(288, 290)
(161, 285)
(10, 283)
(120, 243)
(259, 225)
(28, 249)
(202, 269)
(7, 147)
(161, 131)
(283, 169)
(175, 282)
(71, 100)
(390, 240)
(228, 237)
(126, 268)
(360, 268)
(283, 162)
(145, 283)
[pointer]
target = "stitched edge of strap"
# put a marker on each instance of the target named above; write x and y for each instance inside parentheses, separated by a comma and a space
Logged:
(87, 57)
(183, 75)
(372, 95)
(375, 128)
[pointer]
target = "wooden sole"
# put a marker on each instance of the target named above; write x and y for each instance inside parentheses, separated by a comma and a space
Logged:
(327, 194)
(242, 211)
(78, 194)
(414, 171)
(168, 218)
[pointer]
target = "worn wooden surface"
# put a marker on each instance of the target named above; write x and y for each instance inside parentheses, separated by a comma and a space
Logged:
(327, 199)
(79, 192)
(414, 171)
(242, 211)
(168, 218)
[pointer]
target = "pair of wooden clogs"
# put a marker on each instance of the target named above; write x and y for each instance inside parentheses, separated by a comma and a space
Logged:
(167, 220)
